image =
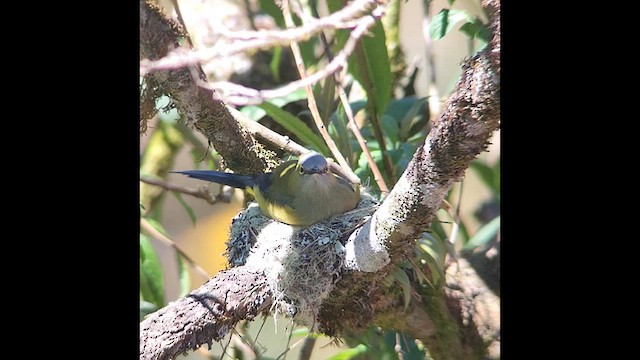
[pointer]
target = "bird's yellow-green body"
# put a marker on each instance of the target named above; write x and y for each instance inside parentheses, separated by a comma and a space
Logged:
(298, 192)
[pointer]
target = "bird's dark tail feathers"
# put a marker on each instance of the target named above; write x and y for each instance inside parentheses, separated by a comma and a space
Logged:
(221, 177)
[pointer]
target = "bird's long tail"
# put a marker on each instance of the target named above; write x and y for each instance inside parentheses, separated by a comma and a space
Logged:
(221, 177)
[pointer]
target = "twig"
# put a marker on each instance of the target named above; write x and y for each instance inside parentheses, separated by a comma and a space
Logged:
(176, 6)
(377, 176)
(181, 57)
(367, 83)
(398, 347)
(145, 225)
(202, 192)
(364, 23)
(285, 143)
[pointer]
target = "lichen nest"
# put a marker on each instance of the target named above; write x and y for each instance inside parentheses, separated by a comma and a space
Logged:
(301, 263)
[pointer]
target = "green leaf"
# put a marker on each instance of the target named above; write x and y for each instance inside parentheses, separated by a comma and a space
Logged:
(255, 113)
(187, 207)
(445, 21)
(414, 119)
(339, 132)
(435, 253)
(401, 277)
(302, 332)
(378, 67)
(270, 7)
(376, 59)
(183, 276)
(327, 98)
(350, 353)
(156, 225)
(390, 130)
(490, 176)
(296, 126)
(274, 65)
(484, 234)
(434, 247)
(151, 277)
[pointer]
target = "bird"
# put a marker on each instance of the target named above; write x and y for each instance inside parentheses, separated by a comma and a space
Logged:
(298, 192)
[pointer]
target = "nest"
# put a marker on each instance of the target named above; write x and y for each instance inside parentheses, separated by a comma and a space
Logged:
(301, 263)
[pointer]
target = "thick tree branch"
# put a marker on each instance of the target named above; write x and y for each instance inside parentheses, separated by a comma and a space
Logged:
(206, 314)
(200, 105)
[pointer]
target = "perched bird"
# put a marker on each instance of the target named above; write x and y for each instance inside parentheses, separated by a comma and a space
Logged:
(298, 192)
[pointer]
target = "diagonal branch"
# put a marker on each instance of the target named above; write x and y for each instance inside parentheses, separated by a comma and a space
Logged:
(199, 105)
(180, 58)
(206, 314)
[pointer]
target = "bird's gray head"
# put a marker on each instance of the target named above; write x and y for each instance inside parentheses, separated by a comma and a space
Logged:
(313, 163)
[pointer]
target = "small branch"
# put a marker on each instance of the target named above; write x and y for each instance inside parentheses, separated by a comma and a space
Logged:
(179, 58)
(377, 176)
(202, 192)
(283, 142)
(372, 108)
(310, 97)
(398, 347)
(146, 226)
(200, 106)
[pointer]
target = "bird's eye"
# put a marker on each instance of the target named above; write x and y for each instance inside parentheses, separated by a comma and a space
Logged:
(301, 170)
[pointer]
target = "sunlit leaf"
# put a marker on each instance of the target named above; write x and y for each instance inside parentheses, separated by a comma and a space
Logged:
(445, 21)
(151, 276)
(301, 332)
(255, 113)
(296, 126)
(156, 225)
(350, 353)
(484, 234)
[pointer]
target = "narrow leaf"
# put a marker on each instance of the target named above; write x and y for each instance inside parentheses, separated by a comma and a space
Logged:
(255, 113)
(378, 67)
(485, 234)
(413, 120)
(151, 277)
(401, 277)
(350, 353)
(274, 65)
(270, 7)
(187, 207)
(296, 126)
(390, 131)
(445, 21)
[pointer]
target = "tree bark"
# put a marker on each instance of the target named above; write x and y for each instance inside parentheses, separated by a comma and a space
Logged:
(205, 315)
